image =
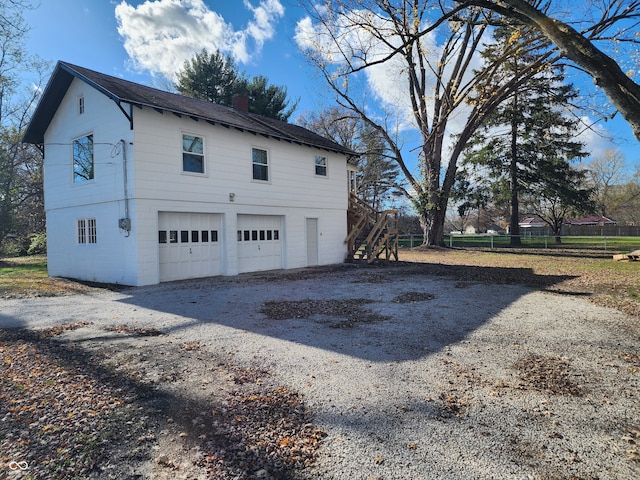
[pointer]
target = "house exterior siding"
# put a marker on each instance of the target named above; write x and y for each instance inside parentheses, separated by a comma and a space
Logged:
(113, 258)
(155, 184)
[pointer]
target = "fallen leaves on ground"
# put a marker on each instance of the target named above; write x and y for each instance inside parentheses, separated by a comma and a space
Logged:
(350, 310)
(548, 375)
(57, 414)
(69, 413)
(410, 297)
(136, 331)
(570, 272)
(189, 346)
(632, 438)
(269, 431)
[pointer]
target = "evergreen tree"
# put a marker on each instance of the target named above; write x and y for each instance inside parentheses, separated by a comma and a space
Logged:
(215, 78)
(210, 77)
(268, 100)
(527, 134)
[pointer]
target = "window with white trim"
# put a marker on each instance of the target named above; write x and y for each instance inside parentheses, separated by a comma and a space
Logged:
(260, 161)
(87, 231)
(83, 168)
(192, 153)
(321, 165)
(81, 105)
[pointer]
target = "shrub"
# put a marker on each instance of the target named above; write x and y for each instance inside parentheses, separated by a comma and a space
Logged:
(13, 246)
(38, 244)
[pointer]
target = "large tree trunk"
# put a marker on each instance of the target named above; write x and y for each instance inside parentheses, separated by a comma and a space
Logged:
(623, 92)
(432, 223)
(432, 216)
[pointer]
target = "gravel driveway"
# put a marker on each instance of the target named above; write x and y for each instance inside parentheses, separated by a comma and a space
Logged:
(410, 375)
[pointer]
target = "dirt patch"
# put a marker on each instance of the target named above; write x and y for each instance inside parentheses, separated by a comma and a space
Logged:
(563, 271)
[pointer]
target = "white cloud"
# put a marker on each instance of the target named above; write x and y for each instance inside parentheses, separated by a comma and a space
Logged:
(384, 81)
(387, 81)
(160, 35)
(597, 139)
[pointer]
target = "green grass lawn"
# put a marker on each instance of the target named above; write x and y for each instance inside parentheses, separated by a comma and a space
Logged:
(27, 277)
(22, 273)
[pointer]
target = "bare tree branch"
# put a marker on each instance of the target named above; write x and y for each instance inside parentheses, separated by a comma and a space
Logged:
(621, 90)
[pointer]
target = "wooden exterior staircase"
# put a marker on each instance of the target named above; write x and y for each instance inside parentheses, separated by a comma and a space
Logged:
(371, 235)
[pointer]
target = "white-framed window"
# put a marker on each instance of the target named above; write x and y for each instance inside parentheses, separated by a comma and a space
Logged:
(87, 231)
(83, 164)
(192, 153)
(81, 104)
(260, 161)
(321, 165)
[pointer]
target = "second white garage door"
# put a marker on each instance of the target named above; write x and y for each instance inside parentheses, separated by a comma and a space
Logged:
(189, 245)
(259, 243)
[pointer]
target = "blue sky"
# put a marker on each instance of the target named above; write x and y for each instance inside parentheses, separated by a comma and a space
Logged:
(85, 32)
(140, 40)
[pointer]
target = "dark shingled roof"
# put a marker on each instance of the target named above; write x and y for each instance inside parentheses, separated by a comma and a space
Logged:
(126, 92)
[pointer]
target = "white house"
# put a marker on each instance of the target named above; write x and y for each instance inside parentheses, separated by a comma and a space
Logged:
(144, 186)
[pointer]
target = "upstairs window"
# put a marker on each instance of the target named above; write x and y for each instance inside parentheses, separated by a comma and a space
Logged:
(260, 164)
(321, 166)
(80, 105)
(192, 153)
(83, 168)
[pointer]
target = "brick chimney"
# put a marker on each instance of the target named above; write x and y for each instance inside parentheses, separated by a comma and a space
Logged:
(240, 102)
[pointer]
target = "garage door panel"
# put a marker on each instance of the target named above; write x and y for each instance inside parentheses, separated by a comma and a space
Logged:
(190, 248)
(259, 243)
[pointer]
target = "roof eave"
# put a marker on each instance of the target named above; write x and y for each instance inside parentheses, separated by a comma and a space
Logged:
(214, 121)
(64, 74)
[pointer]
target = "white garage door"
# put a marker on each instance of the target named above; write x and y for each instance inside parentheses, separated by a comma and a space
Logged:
(189, 245)
(259, 243)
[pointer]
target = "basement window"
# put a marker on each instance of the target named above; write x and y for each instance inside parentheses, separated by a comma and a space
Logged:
(87, 231)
